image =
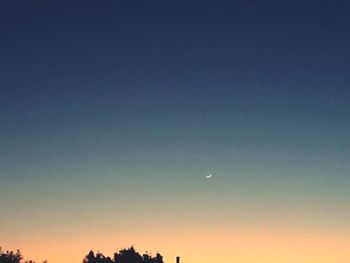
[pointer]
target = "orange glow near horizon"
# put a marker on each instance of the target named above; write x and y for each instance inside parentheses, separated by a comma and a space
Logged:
(195, 247)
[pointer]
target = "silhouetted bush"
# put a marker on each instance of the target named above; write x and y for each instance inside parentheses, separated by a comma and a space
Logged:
(10, 256)
(99, 258)
(127, 255)
(13, 257)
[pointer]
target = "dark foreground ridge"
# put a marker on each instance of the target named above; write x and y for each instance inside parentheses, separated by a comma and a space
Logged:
(127, 255)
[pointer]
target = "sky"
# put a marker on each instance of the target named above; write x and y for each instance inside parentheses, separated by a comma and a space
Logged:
(114, 112)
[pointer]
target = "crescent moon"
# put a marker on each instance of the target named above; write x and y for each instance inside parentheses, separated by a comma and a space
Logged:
(209, 176)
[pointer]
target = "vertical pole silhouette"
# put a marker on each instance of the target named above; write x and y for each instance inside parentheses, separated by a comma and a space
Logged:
(177, 259)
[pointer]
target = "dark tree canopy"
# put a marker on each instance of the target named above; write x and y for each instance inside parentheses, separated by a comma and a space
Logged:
(127, 255)
(99, 258)
(10, 256)
(13, 257)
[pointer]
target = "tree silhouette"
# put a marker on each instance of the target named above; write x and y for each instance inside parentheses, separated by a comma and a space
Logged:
(10, 256)
(126, 255)
(148, 259)
(13, 257)
(99, 258)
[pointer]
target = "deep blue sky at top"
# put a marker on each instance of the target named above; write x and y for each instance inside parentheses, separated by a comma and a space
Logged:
(81, 79)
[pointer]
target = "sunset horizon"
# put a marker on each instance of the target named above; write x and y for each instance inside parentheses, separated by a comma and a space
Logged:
(206, 130)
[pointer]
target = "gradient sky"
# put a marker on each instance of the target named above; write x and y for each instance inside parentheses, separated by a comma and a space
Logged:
(113, 112)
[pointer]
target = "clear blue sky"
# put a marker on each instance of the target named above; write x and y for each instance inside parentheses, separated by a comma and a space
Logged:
(127, 105)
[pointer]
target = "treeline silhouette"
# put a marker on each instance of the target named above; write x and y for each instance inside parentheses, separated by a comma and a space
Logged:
(13, 257)
(127, 255)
